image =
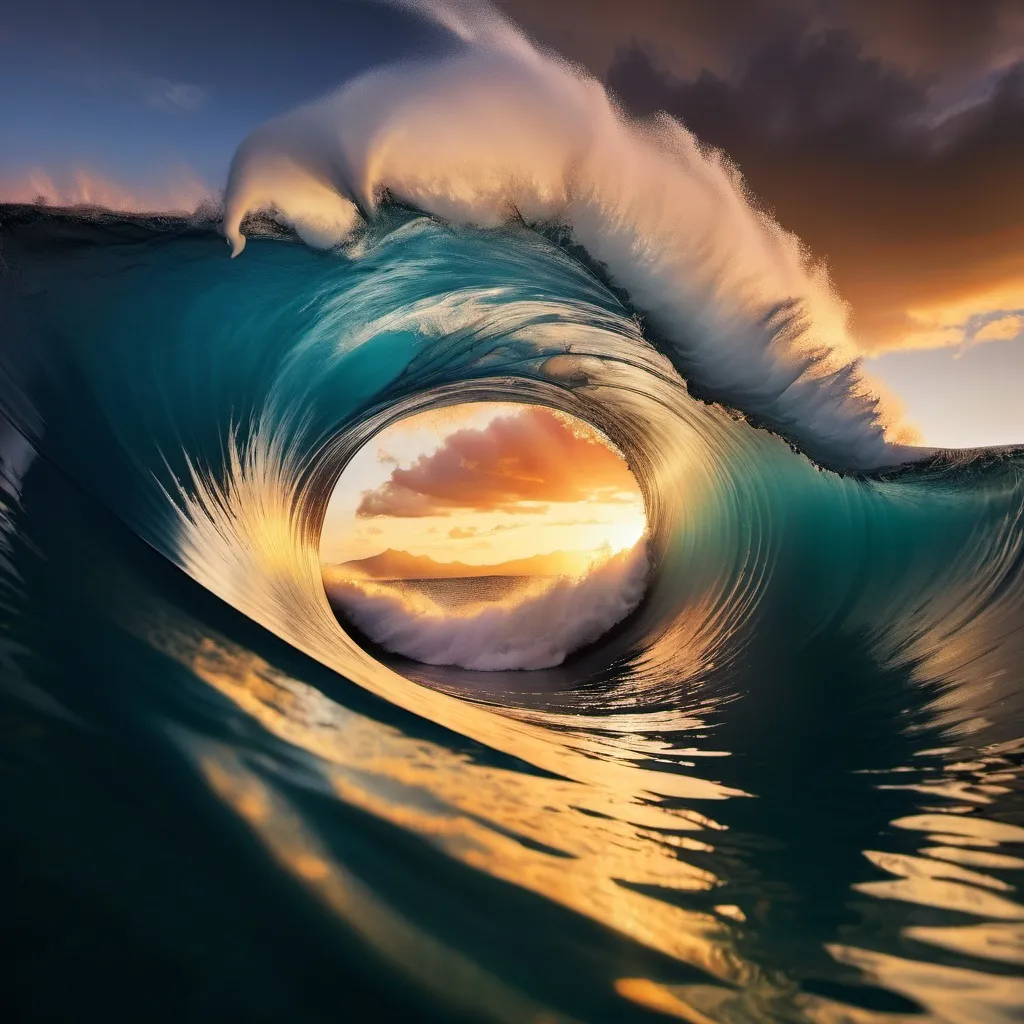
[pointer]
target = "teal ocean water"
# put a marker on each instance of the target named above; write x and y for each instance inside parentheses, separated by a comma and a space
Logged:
(787, 788)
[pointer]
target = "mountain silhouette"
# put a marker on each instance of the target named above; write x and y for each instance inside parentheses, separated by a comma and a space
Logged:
(401, 565)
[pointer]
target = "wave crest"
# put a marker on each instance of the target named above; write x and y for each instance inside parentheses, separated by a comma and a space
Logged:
(497, 131)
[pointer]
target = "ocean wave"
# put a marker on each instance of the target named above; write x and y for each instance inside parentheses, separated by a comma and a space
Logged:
(843, 647)
(497, 132)
(220, 440)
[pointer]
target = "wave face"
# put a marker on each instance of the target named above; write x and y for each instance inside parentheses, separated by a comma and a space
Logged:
(786, 787)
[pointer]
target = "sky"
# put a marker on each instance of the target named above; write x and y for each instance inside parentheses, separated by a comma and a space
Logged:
(145, 93)
(887, 134)
(484, 483)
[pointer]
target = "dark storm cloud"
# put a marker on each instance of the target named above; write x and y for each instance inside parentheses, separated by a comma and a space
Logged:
(792, 90)
(688, 35)
(888, 135)
(941, 36)
(915, 207)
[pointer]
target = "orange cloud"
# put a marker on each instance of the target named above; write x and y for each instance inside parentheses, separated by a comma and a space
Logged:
(1002, 327)
(533, 455)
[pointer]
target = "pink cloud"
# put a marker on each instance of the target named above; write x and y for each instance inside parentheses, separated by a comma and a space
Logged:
(182, 192)
(514, 463)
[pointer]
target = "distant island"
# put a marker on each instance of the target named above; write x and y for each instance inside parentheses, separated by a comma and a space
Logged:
(401, 565)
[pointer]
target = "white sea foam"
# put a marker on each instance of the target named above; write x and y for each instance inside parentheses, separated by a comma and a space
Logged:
(531, 631)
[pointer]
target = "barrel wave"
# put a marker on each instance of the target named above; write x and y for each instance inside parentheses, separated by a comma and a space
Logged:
(786, 787)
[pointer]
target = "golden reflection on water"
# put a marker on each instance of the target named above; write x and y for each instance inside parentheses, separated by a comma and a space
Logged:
(580, 845)
(429, 962)
(953, 995)
(480, 814)
(602, 823)
(931, 883)
(708, 1004)
(584, 843)
(952, 876)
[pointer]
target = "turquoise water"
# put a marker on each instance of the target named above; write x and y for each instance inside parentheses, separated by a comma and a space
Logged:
(788, 788)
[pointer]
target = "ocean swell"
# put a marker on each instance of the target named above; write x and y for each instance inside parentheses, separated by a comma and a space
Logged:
(220, 439)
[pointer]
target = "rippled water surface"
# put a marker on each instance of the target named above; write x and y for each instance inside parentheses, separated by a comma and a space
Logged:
(788, 788)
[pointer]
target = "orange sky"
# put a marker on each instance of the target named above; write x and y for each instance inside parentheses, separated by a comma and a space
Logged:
(481, 484)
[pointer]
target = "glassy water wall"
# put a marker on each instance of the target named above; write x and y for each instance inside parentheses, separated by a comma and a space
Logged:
(784, 786)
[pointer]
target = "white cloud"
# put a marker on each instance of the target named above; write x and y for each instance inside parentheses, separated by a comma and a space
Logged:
(163, 94)
(1000, 325)
(153, 91)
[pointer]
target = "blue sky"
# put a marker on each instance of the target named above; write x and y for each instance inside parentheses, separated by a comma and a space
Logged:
(132, 91)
